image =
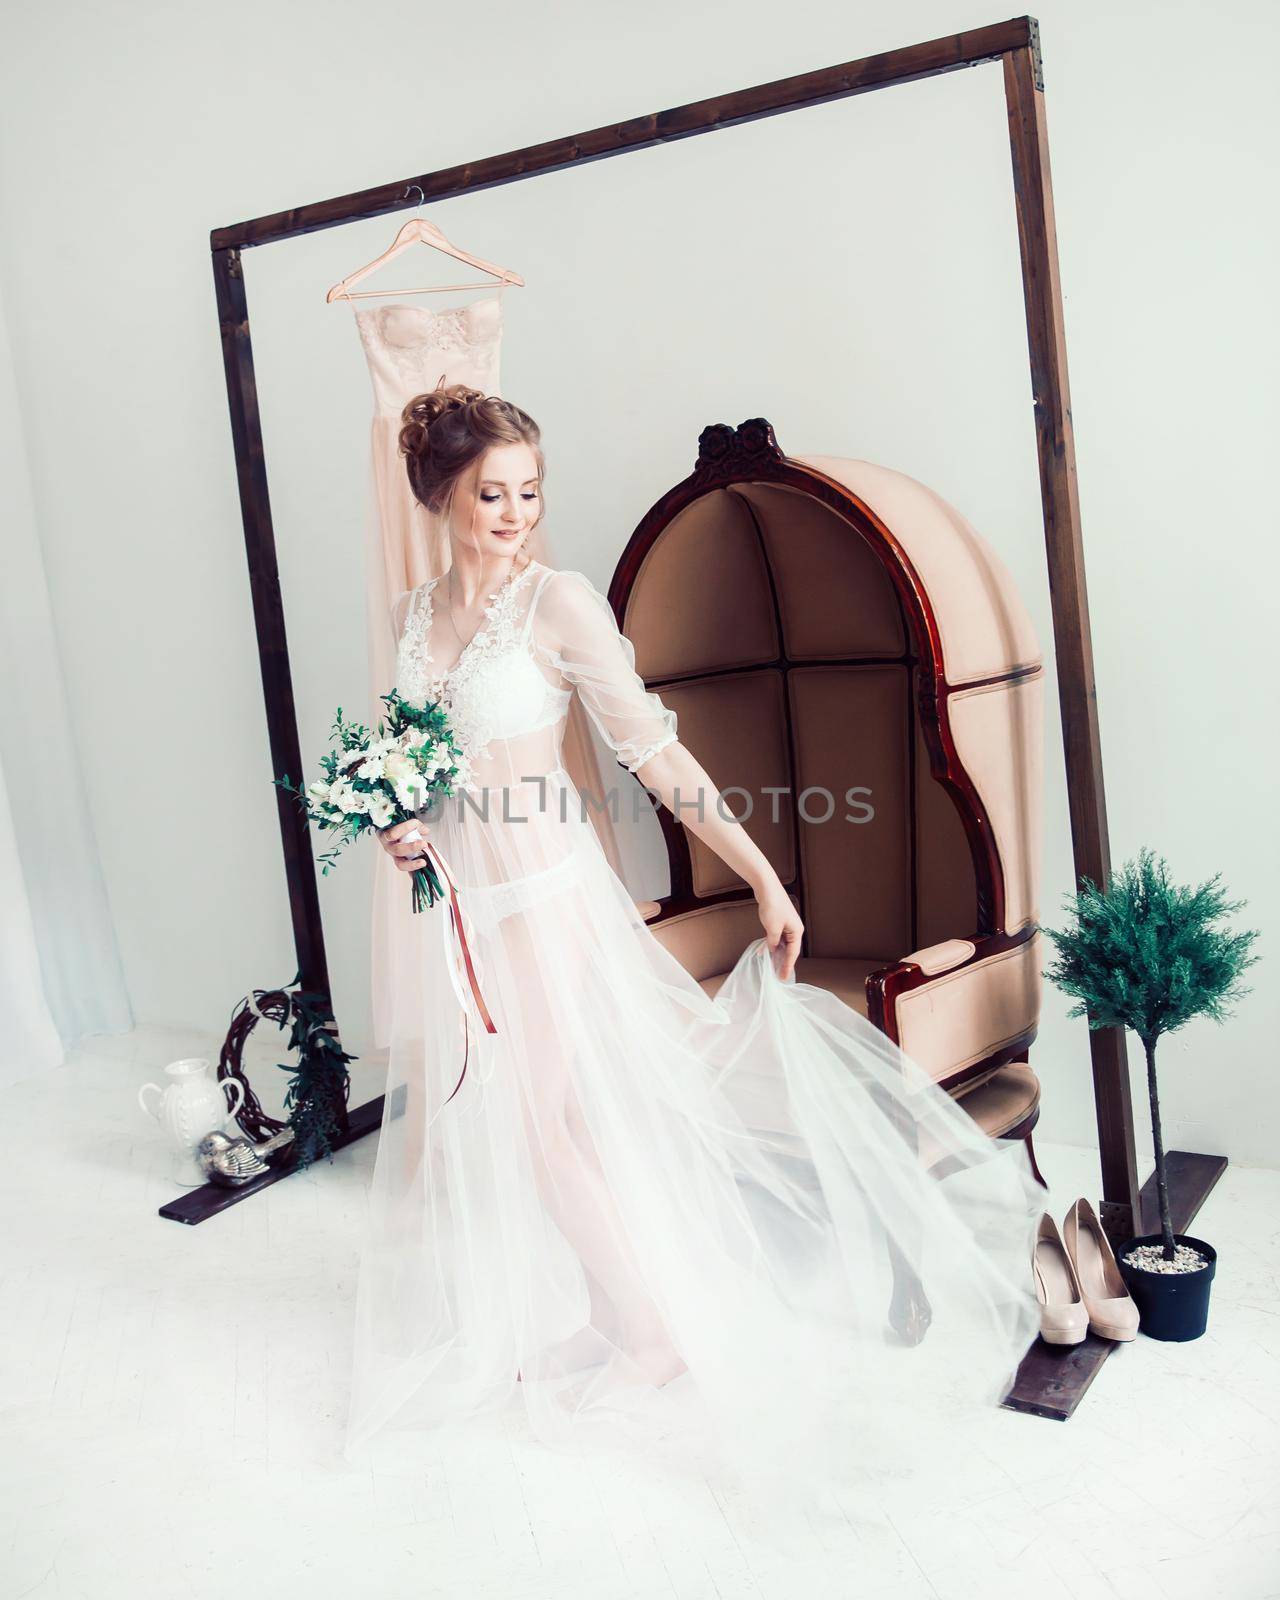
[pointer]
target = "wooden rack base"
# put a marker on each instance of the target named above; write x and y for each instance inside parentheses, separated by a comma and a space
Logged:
(1053, 1378)
(210, 1198)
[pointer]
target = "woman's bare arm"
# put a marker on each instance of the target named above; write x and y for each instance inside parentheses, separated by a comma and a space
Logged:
(684, 786)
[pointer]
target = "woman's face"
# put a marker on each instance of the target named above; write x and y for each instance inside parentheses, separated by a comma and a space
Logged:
(502, 501)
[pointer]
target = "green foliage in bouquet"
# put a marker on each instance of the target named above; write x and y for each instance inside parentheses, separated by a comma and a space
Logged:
(1144, 955)
(372, 780)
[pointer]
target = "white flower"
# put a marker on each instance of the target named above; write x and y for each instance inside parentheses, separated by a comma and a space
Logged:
(374, 757)
(319, 791)
(381, 810)
(401, 772)
(347, 799)
(397, 768)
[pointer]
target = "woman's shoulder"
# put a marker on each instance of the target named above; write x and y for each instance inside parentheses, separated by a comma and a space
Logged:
(400, 606)
(418, 590)
(411, 602)
(566, 592)
(563, 580)
(567, 605)
(541, 569)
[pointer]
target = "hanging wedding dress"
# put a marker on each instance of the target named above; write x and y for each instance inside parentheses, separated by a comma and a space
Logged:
(661, 1221)
(411, 349)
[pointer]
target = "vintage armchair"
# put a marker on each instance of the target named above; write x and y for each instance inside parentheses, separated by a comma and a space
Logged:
(834, 626)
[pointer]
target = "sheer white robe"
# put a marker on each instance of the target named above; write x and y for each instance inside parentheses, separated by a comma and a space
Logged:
(634, 1174)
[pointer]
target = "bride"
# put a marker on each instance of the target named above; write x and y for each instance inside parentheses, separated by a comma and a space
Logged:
(746, 1230)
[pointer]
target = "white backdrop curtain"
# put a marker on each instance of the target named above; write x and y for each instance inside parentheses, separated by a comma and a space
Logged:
(60, 970)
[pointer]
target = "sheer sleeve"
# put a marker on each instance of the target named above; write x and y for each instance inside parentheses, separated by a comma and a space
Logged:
(575, 631)
(399, 610)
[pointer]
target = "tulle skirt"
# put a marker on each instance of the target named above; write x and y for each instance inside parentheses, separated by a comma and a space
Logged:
(743, 1233)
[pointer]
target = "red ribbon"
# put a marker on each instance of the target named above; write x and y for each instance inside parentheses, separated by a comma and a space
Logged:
(460, 938)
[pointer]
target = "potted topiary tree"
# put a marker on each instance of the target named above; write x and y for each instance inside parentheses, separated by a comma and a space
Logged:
(1144, 955)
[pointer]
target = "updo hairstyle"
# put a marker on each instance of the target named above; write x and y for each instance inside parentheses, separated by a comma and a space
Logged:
(446, 431)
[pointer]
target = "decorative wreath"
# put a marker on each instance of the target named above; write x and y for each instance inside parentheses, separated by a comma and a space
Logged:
(320, 1086)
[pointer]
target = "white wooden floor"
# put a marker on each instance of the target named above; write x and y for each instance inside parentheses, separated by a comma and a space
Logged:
(172, 1402)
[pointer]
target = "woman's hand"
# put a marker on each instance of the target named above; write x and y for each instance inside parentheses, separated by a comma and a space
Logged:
(406, 853)
(782, 926)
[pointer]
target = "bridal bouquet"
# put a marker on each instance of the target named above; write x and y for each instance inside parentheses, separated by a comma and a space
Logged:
(374, 779)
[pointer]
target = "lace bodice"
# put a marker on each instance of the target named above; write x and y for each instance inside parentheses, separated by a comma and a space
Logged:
(410, 348)
(545, 633)
(495, 689)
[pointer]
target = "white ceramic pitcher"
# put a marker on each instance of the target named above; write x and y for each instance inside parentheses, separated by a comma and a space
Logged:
(190, 1106)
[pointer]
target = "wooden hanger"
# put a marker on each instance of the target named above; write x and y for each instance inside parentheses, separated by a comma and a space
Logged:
(419, 231)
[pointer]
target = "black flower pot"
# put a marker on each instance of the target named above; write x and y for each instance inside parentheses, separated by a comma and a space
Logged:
(1171, 1305)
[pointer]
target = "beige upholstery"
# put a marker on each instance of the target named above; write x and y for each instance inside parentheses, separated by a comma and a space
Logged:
(847, 633)
(1003, 1100)
(845, 979)
(986, 630)
(707, 941)
(1004, 1105)
(958, 1017)
(998, 730)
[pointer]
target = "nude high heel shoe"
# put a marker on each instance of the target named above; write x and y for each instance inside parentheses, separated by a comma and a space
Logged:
(1064, 1318)
(1113, 1313)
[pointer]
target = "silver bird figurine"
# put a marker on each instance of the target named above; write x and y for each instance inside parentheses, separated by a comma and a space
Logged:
(235, 1161)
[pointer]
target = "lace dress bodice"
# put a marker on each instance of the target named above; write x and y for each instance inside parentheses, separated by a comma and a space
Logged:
(410, 348)
(495, 691)
(545, 632)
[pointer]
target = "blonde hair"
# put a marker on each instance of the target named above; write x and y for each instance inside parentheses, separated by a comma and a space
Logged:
(445, 432)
